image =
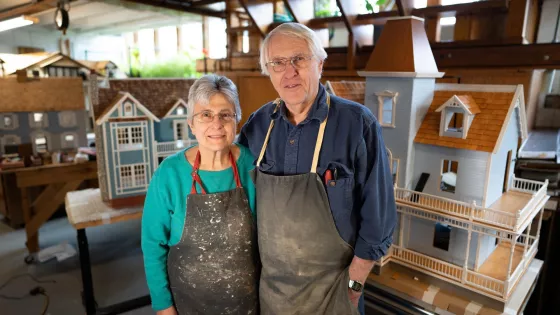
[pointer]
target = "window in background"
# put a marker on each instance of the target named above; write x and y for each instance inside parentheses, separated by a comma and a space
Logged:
(218, 38)
(167, 42)
(146, 45)
(191, 38)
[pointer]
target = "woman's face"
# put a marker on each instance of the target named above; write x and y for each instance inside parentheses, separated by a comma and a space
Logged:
(214, 125)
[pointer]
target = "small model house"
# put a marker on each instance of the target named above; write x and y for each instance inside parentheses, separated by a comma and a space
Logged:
(44, 64)
(463, 216)
(49, 113)
(138, 122)
(104, 68)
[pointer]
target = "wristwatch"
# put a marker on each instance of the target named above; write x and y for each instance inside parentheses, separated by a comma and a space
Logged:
(355, 285)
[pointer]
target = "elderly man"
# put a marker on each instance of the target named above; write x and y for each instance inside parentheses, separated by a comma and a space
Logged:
(325, 203)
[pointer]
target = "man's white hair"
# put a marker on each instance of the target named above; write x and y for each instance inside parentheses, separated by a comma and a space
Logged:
(296, 30)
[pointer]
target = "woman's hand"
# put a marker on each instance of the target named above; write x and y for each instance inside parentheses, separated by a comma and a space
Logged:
(168, 311)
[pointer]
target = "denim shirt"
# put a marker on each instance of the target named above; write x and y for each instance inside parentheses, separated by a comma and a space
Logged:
(361, 199)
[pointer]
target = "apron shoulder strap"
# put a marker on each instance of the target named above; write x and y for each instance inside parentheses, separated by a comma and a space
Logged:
(265, 143)
(195, 177)
(320, 135)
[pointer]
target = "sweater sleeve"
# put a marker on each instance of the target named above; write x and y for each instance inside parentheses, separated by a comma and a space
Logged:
(156, 225)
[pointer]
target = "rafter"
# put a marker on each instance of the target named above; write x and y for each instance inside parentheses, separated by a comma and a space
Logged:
(180, 6)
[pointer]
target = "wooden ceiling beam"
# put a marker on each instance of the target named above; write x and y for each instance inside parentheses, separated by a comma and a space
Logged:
(203, 2)
(28, 9)
(405, 7)
(261, 14)
(177, 6)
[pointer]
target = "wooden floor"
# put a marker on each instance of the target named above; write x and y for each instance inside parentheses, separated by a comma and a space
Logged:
(496, 265)
(511, 201)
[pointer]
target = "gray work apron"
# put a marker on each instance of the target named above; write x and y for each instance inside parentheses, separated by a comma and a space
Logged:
(212, 270)
(304, 260)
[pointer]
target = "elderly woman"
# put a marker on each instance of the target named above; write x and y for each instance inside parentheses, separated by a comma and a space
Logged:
(198, 235)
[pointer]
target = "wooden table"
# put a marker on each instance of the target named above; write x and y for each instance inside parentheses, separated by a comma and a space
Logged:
(379, 291)
(58, 179)
(86, 209)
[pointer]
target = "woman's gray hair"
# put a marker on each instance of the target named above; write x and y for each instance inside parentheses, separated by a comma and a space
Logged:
(209, 85)
(296, 30)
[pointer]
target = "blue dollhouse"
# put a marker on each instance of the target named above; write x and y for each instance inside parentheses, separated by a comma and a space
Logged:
(138, 122)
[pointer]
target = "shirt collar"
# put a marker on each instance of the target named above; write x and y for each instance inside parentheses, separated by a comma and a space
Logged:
(319, 110)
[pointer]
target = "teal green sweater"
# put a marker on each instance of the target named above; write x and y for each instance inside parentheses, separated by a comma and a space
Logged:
(165, 212)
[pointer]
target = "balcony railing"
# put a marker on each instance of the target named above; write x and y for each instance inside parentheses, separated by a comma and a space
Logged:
(485, 283)
(168, 148)
(509, 220)
(429, 263)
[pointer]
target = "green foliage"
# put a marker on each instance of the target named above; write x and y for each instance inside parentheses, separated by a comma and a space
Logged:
(323, 9)
(369, 5)
(180, 66)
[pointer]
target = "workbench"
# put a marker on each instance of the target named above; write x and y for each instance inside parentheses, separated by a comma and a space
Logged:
(398, 289)
(86, 209)
(57, 180)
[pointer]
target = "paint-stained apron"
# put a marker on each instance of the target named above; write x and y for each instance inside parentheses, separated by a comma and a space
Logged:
(212, 270)
(304, 260)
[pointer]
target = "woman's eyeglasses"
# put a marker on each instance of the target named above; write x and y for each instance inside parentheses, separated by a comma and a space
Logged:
(298, 62)
(208, 116)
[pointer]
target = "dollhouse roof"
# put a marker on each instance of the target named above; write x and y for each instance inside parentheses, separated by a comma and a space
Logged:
(120, 97)
(466, 102)
(45, 94)
(350, 90)
(410, 55)
(14, 62)
(495, 106)
(159, 96)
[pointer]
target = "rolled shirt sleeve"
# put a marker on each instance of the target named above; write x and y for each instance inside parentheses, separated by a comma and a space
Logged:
(375, 196)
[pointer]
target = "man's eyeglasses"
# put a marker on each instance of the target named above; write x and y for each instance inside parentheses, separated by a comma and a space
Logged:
(298, 62)
(208, 116)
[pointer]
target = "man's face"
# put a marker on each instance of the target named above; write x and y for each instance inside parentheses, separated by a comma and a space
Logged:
(297, 86)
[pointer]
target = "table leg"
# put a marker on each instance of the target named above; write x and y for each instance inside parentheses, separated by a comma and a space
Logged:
(85, 266)
(32, 240)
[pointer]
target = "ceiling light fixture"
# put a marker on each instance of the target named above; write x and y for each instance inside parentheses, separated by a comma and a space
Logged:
(20, 21)
(61, 19)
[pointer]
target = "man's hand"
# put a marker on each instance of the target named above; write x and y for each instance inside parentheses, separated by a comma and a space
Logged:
(168, 311)
(359, 271)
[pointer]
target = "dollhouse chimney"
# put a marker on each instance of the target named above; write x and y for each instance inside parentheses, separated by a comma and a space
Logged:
(400, 81)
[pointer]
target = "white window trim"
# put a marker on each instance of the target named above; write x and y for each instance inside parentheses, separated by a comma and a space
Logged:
(185, 129)
(15, 121)
(122, 112)
(14, 137)
(446, 119)
(44, 123)
(380, 98)
(129, 146)
(64, 114)
(64, 142)
(133, 183)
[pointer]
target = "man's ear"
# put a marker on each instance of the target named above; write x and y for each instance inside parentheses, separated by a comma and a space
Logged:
(320, 67)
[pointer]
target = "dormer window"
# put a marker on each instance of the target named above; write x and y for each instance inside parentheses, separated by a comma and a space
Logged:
(457, 115)
(128, 108)
(180, 111)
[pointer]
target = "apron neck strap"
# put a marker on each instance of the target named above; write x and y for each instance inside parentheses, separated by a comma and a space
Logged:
(196, 177)
(318, 144)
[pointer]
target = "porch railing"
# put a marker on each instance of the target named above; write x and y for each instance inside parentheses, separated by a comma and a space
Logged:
(167, 148)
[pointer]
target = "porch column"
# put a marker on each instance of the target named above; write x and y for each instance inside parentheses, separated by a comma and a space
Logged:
(510, 263)
(466, 264)
(527, 239)
(401, 231)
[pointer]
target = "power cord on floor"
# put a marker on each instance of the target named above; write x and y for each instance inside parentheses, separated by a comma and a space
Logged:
(33, 292)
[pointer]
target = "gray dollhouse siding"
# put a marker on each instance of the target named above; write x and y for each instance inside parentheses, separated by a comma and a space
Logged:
(420, 238)
(164, 130)
(55, 131)
(414, 99)
(127, 157)
(471, 171)
(499, 160)
(487, 246)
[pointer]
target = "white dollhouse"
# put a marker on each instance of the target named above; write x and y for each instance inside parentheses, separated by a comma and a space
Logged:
(463, 216)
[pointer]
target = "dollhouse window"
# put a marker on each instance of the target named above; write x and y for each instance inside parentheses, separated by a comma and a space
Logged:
(67, 119)
(387, 102)
(9, 143)
(139, 175)
(69, 140)
(41, 143)
(449, 176)
(457, 114)
(128, 108)
(9, 122)
(180, 130)
(442, 236)
(130, 138)
(38, 120)
(180, 110)
(126, 176)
